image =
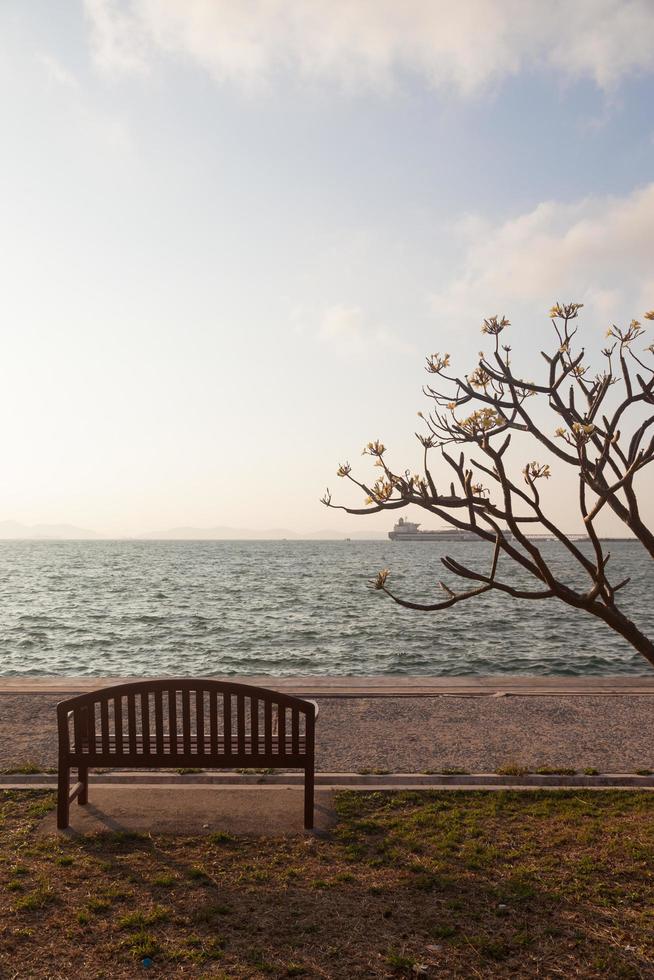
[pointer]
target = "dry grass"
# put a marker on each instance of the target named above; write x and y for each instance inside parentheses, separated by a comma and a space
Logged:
(411, 884)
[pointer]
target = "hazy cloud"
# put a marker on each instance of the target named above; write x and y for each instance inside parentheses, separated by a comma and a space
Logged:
(346, 329)
(56, 73)
(119, 36)
(462, 46)
(598, 251)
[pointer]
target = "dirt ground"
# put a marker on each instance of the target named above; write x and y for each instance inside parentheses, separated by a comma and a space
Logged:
(427, 884)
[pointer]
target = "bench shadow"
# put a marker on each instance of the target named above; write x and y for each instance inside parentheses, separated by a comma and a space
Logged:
(98, 818)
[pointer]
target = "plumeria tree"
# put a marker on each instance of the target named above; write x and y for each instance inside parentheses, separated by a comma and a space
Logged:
(599, 424)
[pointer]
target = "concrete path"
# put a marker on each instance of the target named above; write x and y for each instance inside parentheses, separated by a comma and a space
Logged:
(374, 686)
(250, 811)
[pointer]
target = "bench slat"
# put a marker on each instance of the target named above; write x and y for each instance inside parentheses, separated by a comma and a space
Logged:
(131, 722)
(186, 719)
(227, 722)
(240, 722)
(183, 760)
(213, 721)
(281, 729)
(254, 725)
(77, 730)
(295, 729)
(104, 723)
(172, 720)
(267, 727)
(158, 719)
(118, 723)
(194, 739)
(145, 722)
(199, 721)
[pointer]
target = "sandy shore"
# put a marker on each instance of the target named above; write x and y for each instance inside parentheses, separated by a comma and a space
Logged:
(419, 734)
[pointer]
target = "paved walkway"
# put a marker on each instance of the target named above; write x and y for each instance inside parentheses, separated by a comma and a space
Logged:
(546, 724)
(253, 811)
(374, 686)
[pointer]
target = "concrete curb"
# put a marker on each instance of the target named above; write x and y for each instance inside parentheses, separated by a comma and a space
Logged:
(381, 686)
(344, 780)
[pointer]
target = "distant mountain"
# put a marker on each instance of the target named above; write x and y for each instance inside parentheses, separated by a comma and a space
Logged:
(247, 534)
(11, 530)
(14, 531)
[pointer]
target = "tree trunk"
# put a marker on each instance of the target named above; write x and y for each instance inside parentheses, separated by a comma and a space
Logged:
(634, 523)
(619, 622)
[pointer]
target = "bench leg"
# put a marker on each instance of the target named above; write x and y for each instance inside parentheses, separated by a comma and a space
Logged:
(63, 792)
(308, 798)
(83, 776)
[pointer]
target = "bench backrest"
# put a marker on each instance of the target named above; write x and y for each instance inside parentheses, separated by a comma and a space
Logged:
(183, 722)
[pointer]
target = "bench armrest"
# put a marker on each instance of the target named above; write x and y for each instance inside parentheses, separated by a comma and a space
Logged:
(315, 704)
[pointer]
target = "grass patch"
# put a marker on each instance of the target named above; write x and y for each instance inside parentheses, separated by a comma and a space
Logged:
(140, 919)
(220, 837)
(26, 769)
(255, 772)
(165, 881)
(447, 771)
(512, 769)
(38, 899)
(503, 884)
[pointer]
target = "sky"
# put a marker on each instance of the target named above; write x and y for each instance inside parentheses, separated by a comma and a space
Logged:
(231, 232)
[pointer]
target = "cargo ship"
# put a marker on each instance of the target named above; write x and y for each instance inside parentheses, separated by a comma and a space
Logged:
(408, 531)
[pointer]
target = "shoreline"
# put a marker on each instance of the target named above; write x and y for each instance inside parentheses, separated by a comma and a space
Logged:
(373, 685)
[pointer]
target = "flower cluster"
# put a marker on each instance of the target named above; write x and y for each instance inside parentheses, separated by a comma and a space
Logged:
(344, 470)
(565, 311)
(495, 325)
(480, 378)
(536, 471)
(480, 422)
(417, 483)
(381, 491)
(581, 432)
(437, 363)
(375, 448)
(627, 336)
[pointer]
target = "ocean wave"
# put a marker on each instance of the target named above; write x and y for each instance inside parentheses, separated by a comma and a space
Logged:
(134, 608)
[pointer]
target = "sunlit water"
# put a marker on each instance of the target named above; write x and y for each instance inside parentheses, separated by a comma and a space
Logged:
(277, 607)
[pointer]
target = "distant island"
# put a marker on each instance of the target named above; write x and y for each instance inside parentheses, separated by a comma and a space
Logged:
(15, 531)
(12, 531)
(248, 534)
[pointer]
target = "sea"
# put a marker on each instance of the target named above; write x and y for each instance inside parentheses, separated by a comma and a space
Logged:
(139, 608)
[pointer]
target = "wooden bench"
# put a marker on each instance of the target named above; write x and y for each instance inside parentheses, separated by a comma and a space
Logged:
(180, 723)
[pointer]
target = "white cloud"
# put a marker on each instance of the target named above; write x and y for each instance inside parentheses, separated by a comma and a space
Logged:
(463, 46)
(77, 112)
(56, 73)
(346, 329)
(118, 36)
(343, 325)
(599, 251)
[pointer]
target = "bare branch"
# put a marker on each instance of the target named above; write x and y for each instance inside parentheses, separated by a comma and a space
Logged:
(480, 411)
